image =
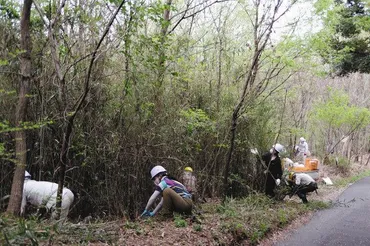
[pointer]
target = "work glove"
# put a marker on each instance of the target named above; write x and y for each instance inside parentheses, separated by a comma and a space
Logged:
(145, 213)
(277, 181)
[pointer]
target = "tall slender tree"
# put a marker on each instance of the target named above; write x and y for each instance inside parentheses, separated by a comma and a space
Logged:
(263, 18)
(14, 205)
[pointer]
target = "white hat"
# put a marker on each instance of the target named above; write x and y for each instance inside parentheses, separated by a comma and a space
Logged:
(278, 147)
(302, 139)
(156, 170)
(27, 175)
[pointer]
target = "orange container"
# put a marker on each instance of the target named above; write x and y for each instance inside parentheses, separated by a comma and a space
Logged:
(307, 162)
(300, 169)
(314, 164)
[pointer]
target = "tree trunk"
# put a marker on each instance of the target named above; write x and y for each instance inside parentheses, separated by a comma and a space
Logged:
(14, 205)
(162, 57)
(219, 76)
(230, 152)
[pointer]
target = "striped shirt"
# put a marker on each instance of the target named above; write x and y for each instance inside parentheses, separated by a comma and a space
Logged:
(175, 185)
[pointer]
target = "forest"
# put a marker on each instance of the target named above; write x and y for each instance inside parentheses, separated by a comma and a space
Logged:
(94, 93)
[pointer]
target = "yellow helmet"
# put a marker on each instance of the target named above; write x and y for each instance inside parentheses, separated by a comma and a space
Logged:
(291, 175)
(189, 169)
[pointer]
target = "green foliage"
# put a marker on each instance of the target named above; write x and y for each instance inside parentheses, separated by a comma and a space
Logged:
(323, 5)
(131, 225)
(337, 112)
(8, 10)
(197, 120)
(146, 110)
(344, 42)
(197, 227)
(345, 181)
(256, 215)
(317, 205)
(139, 112)
(4, 154)
(21, 232)
(40, 232)
(4, 62)
(5, 126)
(180, 222)
(283, 217)
(227, 210)
(259, 233)
(339, 162)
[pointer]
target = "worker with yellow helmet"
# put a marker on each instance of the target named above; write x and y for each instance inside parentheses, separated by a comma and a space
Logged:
(302, 184)
(190, 181)
(188, 169)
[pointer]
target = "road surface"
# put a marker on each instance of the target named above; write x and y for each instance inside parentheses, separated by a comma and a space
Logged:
(346, 223)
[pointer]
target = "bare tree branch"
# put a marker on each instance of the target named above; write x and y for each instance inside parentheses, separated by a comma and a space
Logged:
(184, 17)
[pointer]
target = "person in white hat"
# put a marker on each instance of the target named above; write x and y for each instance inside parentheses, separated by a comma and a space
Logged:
(302, 149)
(175, 196)
(44, 194)
(274, 169)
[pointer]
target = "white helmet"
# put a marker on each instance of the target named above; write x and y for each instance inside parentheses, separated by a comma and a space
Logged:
(302, 139)
(156, 170)
(27, 175)
(278, 147)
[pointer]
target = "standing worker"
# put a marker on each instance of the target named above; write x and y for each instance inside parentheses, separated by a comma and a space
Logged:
(190, 181)
(43, 193)
(302, 149)
(302, 184)
(274, 170)
(175, 196)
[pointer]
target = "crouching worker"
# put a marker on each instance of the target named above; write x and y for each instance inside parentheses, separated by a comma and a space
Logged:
(175, 197)
(302, 184)
(44, 194)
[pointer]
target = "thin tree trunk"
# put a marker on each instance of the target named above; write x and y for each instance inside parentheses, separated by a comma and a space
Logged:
(230, 152)
(261, 37)
(219, 75)
(14, 204)
(162, 57)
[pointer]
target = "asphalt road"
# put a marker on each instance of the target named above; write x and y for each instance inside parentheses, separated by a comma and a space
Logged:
(346, 223)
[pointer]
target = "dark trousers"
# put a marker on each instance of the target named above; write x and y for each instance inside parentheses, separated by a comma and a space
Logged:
(303, 190)
(174, 202)
(270, 186)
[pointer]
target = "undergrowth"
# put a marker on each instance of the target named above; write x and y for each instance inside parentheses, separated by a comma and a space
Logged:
(32, 231)
(16, 231)
(345, 181)
(255, 216)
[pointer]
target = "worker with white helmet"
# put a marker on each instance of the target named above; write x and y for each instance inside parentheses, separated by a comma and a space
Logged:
(175, 196)
(274, 169)
(302, 149)
(44, 194)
